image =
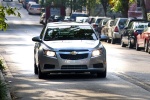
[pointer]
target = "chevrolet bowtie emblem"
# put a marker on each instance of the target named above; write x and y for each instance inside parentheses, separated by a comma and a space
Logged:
(73, 52)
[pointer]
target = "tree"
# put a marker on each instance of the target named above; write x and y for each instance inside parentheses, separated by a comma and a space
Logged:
(7, 11)
(105, 4)
(121, 6)
(91, 4)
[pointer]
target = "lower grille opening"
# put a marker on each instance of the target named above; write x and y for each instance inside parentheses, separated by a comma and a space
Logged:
(74, 67)
(49, 66)
(99, 65)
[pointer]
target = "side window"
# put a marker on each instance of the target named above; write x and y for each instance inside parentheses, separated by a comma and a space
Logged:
(111, 23)
(42, 32)
(130, 26)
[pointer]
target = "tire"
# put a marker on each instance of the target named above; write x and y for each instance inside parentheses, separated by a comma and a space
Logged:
(108, 40)
(40, 74)
(112, 41)
(146, 46)
(101, 74)
(35, 69)
(129, 44)
(137, 47)
(122, 44)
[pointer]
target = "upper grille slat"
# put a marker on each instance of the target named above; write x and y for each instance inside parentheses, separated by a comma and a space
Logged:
(74, 57)
(80, 50)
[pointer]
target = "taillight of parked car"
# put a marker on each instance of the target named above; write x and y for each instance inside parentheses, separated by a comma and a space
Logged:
(31, 8)
(116, 29)
(135, 33)
(38, 8)
(95, 26)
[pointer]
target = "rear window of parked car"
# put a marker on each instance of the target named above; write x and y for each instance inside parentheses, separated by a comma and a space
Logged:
(36, 6)
(121, 23)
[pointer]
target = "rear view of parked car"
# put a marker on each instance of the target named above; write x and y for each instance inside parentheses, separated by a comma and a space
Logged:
(129, 38)
(34, 9)
(115, 35)
(64, 47)
(106, 29)
(143, 39)
(95, 21)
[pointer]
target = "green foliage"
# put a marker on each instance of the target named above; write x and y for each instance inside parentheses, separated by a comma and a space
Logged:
(7, 11)
(2, 67)
(3, 91)
(121, 6)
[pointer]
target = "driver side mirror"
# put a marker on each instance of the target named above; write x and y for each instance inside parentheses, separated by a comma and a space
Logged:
(126, 27)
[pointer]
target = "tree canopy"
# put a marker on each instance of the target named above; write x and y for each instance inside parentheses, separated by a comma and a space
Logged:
(4, 11)
(121, 6)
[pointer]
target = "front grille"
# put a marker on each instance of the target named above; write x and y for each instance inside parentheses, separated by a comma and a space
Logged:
(74, 57)
(74, 67)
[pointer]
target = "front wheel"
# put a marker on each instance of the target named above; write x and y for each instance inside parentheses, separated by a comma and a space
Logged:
(35, 69)
(102, 74)
(40, 74)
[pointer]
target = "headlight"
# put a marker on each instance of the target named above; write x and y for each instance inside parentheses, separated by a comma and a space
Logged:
(96, 53)
(49, 53)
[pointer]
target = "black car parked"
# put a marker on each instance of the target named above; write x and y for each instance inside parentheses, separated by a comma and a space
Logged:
(129, 36)
(129, 20)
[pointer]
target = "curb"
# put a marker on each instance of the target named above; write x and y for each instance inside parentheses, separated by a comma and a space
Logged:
(3, 80)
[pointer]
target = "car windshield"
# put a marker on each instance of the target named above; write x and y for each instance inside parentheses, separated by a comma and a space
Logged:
(70, 33)
(98, 20)
(140, 25)
(36, 6)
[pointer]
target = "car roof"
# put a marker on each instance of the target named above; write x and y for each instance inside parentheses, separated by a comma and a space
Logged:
(35, 4)
(65, 23)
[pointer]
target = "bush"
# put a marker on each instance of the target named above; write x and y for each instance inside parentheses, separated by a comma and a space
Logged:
(3, 91)
(2, 67)
(3, 87)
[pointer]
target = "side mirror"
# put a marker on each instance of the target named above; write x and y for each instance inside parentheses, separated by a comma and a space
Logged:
(36, 39)
(126, 27)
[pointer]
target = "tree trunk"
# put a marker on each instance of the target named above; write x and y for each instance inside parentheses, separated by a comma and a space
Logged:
(105, 5)
(125, 7)
(144, 12)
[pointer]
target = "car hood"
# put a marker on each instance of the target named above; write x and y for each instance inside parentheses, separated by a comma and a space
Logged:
(73, 44)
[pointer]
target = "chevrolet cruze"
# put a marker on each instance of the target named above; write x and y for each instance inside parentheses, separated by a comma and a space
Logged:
(65, 47)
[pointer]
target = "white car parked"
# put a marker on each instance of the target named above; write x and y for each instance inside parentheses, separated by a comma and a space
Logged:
(34, 9)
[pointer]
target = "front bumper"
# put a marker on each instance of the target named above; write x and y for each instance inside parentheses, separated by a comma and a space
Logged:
(58, 64)
(116, 35)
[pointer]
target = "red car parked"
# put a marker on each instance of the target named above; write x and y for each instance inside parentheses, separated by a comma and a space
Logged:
(143, 39)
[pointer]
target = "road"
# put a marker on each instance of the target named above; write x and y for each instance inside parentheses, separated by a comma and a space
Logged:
(127, 77)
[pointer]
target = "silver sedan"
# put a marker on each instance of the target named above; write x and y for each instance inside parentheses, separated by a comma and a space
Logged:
(69, 47)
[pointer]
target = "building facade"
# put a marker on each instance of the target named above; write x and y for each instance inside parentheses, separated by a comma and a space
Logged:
(135, 9)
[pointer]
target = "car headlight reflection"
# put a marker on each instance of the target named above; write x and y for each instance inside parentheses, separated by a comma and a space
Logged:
(49, 53)
(96, 53)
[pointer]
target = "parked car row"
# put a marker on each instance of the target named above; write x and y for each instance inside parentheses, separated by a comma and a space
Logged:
(31, 6)
(129, 32)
